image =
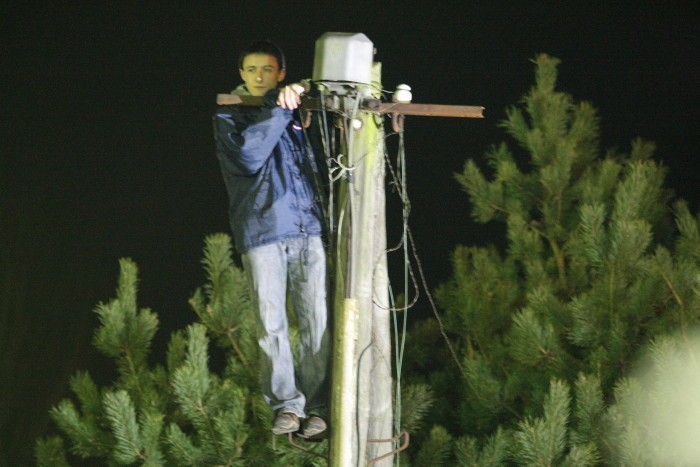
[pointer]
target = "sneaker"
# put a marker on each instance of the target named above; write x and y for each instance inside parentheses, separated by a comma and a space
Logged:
(313, 426)
(285, 422)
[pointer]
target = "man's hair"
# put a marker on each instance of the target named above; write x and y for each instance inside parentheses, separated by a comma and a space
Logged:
(263, 47)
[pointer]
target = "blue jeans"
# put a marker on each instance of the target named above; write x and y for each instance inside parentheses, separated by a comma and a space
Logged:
(297, 266)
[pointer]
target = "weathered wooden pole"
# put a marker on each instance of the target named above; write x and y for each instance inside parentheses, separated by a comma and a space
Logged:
(376, 388)
(361, 399)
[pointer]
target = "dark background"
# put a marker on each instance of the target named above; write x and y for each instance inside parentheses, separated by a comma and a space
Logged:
(106, 146)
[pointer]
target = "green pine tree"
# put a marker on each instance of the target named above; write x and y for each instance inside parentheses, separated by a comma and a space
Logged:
(178, 413)
(593, 270)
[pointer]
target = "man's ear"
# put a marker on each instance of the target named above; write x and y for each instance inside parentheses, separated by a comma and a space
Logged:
(240, 72)
(282, 75)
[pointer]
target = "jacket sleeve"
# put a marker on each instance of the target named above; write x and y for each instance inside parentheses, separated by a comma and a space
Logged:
(248, 144)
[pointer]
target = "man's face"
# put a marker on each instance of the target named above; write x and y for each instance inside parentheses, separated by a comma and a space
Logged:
(260, 73)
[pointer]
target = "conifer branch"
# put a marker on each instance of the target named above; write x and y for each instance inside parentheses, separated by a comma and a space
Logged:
(122, 417)
(86, 438)
(51, 453)
(237, 348)
(543, 441)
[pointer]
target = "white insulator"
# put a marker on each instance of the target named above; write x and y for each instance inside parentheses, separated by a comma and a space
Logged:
(402, 94)
(356, 123)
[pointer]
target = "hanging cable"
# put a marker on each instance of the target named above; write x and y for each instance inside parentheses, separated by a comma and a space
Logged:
(407, 239)
(401, 163)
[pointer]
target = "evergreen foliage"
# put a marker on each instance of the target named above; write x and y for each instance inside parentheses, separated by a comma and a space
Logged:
(181, 413)
(549, 329)
(599, 265)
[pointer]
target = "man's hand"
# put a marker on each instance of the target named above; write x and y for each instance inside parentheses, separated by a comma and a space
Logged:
(290, 96)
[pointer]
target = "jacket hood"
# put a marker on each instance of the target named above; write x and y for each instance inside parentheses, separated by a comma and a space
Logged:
(241, 90)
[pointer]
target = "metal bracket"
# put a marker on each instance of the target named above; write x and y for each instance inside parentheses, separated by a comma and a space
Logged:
(406, 442)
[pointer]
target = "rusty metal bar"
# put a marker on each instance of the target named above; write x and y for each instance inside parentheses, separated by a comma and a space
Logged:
(235, 99)
(407, 441)
(428, 110)
(372, 105)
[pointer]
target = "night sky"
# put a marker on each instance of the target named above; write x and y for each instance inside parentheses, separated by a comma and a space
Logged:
(107, 148)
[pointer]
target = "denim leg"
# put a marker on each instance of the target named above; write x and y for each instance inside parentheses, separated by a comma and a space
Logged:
(266, 268)
(307, 286)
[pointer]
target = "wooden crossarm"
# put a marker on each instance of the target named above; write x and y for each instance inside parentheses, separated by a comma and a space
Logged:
(235, 99)
(373, 105)
(427, 110)
(307, 103)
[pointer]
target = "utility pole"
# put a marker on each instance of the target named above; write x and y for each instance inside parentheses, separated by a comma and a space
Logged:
(361, 400)
(361, 419)
(362, 430)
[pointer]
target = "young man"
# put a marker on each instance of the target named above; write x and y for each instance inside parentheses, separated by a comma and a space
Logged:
(276, 215)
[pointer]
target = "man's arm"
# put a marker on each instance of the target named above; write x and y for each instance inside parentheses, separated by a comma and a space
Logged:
(245, 145)
(248, 145)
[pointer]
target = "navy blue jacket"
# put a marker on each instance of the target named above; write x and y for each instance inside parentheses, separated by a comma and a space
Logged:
(270, 174)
